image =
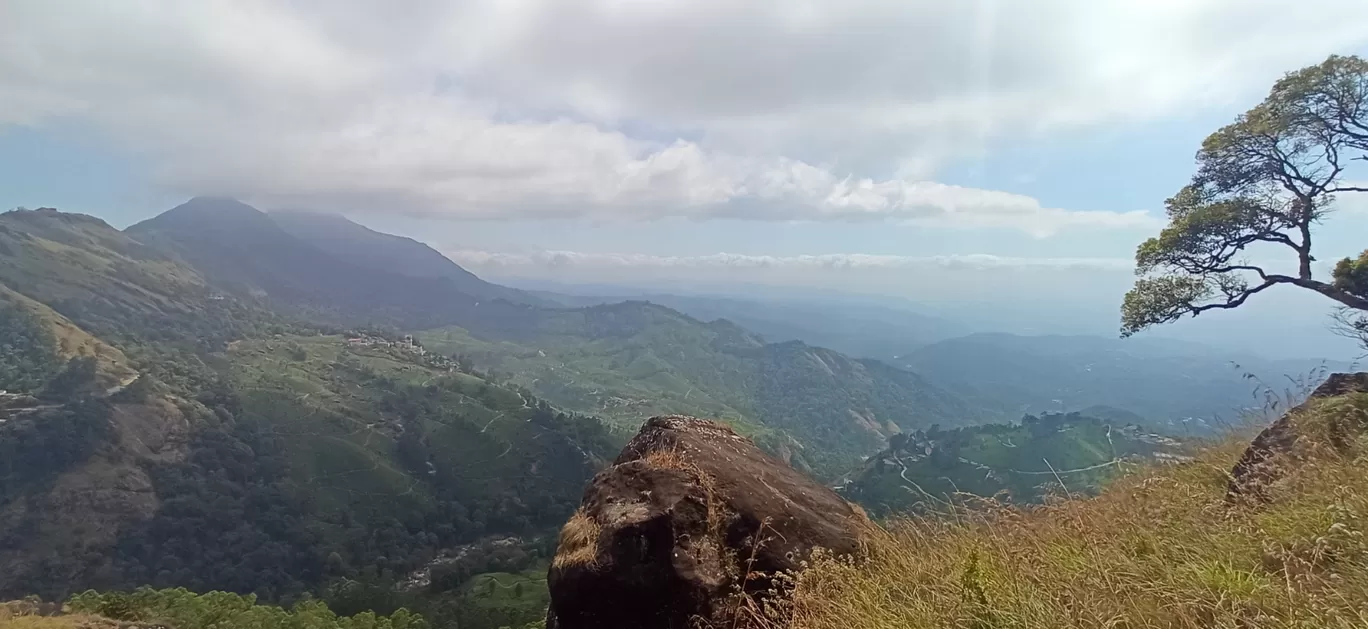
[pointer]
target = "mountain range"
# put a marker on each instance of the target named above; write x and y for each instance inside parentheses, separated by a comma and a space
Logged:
(290, 403)
(621, 361)
(667, 348)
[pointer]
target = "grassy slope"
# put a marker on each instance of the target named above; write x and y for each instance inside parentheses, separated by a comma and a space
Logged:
(112, 367)
(64, 258)
(1160, 548)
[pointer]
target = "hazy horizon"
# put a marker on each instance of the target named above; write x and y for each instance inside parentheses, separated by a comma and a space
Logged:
(990, 161)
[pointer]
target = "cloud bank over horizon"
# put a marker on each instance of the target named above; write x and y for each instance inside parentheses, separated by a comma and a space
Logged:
(834, 261)
(634, 110)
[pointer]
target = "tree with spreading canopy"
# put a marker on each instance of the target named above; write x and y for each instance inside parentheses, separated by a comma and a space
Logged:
(1264, 181)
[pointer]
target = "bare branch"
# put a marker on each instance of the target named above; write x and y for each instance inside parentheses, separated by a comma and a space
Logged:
(1232, 301)
(1241, 267)
(1352, 325)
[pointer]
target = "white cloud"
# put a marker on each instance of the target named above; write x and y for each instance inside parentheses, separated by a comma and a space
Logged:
(770, 110)
(832, 261)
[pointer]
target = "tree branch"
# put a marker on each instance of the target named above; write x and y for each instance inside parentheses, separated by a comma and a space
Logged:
(1233, 302)
(1343, 297)
(1241, 267)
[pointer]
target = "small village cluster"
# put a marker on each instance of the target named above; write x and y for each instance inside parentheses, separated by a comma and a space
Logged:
(366, 340)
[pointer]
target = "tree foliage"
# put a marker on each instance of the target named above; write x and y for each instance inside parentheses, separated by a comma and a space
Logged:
(28, 353)
(1265, 180)
(1351, 276)
(223, 610)
(36, 447)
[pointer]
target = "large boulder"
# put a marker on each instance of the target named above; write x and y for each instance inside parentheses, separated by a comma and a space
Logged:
(1267, 457)
(687, 519)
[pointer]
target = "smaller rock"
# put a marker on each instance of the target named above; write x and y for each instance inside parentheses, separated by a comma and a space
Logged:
(1263, 461)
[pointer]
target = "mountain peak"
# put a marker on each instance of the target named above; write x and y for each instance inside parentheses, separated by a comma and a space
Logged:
(208, 212)
(214, 204)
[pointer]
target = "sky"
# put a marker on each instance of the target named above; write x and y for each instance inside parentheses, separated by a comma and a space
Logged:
(998, 155)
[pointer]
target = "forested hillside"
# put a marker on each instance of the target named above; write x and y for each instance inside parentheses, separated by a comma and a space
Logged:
(819, 409)
(158, 429)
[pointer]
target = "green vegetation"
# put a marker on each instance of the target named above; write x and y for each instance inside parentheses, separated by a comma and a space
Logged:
(1159, 548)
(819, 409)
(28, 350)
(183, 609)
(37, 446)
(356, 465)
(1049, 455)
(503, 599)
(1266, 179)
(113, 286)
(336, 470)
(220, 446)
(661, 364)
(624, 362)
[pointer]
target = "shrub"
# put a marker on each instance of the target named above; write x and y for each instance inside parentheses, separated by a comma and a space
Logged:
(183, 609)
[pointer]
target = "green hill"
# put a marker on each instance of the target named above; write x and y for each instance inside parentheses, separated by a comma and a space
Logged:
(1022, 463)
(162, 429)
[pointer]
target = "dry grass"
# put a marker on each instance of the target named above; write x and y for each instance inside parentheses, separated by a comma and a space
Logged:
(17, 615)
(718, 512)
(578, 542)
(670, 459)
(73, 621)
(1160, 548)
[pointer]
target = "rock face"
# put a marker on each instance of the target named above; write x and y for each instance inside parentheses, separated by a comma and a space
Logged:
(1261, 464)
(689, 515)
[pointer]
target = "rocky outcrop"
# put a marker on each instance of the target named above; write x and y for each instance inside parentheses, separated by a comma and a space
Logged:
(1264, 461)
(688, 518)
